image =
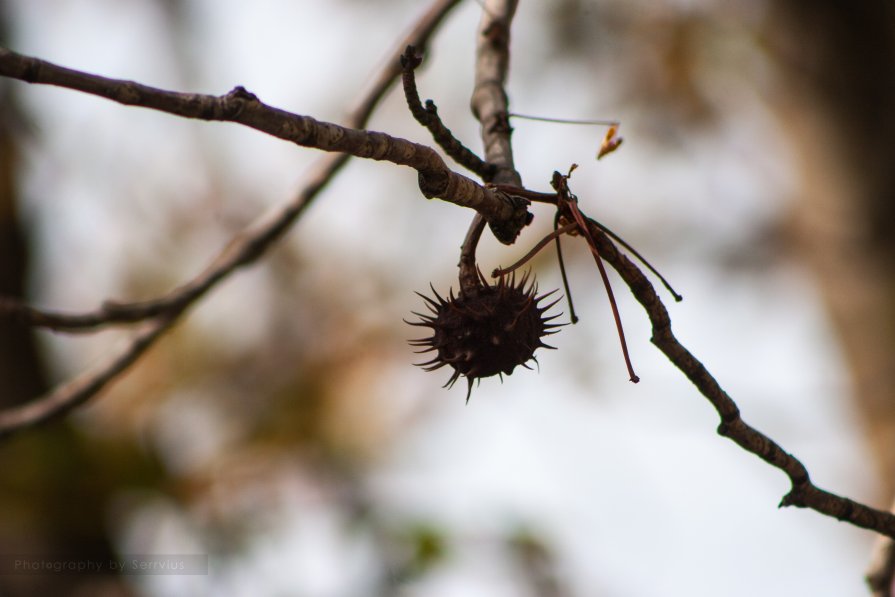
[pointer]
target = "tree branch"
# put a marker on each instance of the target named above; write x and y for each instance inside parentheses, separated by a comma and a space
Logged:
(803, 493)
(243, 249)
(242, 107)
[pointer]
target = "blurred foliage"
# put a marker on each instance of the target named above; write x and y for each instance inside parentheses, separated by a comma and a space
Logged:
(416, 550)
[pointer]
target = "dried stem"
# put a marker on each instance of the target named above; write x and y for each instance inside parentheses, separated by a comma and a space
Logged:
(573, 317)
(582, 225)
(534, 250)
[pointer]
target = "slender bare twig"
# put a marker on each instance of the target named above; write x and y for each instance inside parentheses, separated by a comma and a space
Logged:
(245, 248)
(639, 257)
(84, 386)
(568, 208)
(502, 271)
(428, 117)
(803, 493)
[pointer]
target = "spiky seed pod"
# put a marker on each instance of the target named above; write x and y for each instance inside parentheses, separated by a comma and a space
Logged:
(485, 332)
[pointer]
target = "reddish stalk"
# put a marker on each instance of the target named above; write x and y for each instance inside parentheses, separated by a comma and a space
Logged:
(534, 251)
(582, 225)
(567, 202)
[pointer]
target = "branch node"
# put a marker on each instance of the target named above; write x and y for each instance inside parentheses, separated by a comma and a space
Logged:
(791, 499)
(234, 102)
(506, 230)
(730, 415)
(240, 92)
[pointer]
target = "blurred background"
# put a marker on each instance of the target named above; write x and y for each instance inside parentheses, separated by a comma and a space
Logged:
(282, 429)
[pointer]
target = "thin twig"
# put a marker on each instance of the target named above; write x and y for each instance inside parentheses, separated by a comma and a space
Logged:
(245, 248)
(418, 35)
(553, 199)
(573, 317)
(534, 250)
(569, 209)
(803, 493)
(84, 386)
(428, 117)
(677, 297)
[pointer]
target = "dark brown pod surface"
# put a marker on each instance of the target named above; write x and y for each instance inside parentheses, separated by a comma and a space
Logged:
(486, 332)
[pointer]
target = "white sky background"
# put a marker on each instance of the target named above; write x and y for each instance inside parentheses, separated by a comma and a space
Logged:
(629, 483)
